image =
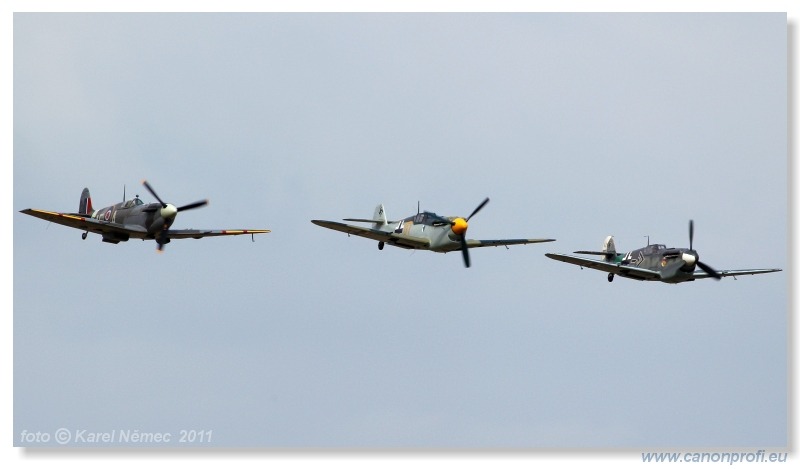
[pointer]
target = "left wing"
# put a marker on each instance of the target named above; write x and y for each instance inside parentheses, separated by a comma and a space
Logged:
(197, 234)
(610, 267)
(481, 243)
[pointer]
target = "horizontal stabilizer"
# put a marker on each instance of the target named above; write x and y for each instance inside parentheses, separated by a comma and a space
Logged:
(368, 220)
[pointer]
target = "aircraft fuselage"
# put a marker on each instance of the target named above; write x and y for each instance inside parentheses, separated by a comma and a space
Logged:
(153, 218)
(674, 264)
(429, 226)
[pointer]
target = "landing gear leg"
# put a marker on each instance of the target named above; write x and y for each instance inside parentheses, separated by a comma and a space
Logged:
(83, 235)
(380, 245)
(610, 277)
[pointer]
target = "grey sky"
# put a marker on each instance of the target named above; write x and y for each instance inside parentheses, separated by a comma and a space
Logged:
(576, 125)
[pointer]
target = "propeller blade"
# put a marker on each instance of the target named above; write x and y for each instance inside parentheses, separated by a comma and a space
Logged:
(153, 193)
(197, 204)
(691, 233)
(465, 250)
(464, 247)
(478, 209)
(162, 240)
(710, 271)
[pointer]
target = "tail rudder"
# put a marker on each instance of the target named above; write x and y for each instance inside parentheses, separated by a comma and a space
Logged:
(609, 251)
(85, 206)
(609, 248)
(380, 214)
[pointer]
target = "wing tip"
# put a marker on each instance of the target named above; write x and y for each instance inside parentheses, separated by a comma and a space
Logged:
(555, 255)
(321, 222)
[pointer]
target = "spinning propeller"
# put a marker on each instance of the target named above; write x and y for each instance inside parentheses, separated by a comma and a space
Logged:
(168, 212)
(459, 226)
(696, 258)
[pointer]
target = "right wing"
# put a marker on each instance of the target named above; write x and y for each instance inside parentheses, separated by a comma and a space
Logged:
(611, 267)
(396, 239)
(86, 223)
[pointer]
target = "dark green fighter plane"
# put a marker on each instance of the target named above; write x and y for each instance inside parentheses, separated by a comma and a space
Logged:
(132, 219)
(653, 262)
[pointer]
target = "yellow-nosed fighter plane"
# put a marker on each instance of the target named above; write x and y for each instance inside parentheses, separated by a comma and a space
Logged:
(425, 230)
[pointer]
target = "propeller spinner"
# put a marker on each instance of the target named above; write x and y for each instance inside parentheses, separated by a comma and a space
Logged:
(459, 226)
(168, 212)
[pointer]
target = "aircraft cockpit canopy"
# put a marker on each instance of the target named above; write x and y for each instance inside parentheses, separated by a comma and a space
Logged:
(134, 202)
(655, 248)
(427, 218)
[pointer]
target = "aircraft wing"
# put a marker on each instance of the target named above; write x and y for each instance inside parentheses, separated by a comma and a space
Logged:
(611, 267)
(480, 243)
(101, 227)
(735, 273)
(197, 234)
(397, 239)
(85, 223)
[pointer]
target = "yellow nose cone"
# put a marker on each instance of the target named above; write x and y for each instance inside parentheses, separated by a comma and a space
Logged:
(459, 226)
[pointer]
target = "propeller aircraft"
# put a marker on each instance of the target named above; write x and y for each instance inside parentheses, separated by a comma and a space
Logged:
(654, 262)
(132, 219)
(424, 231)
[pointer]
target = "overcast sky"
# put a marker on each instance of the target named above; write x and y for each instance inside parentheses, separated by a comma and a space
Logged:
(576, 125)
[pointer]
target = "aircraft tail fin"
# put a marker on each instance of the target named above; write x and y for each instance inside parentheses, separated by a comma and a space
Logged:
(380, 214)
(378, 218)
(85, 206)
(609, 251)
(609, 248)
